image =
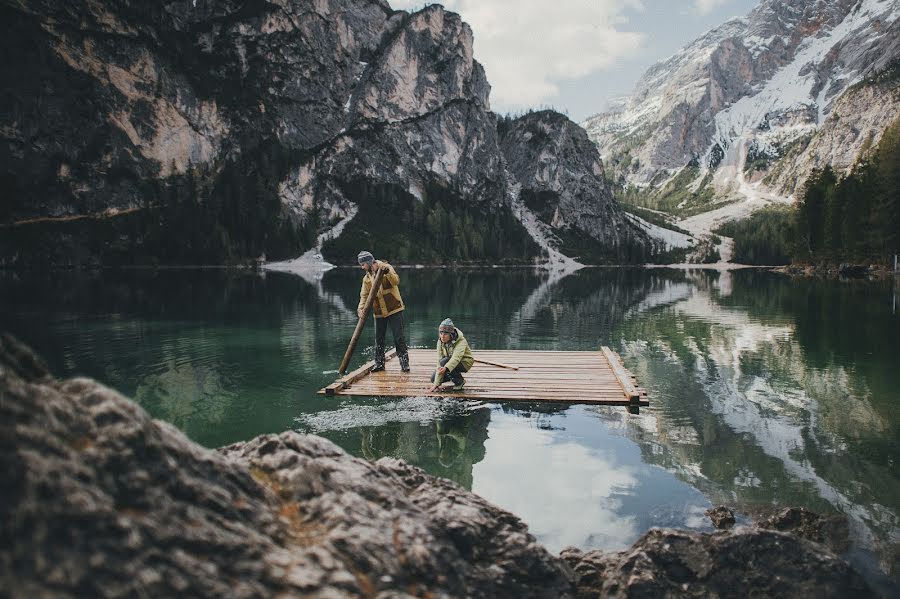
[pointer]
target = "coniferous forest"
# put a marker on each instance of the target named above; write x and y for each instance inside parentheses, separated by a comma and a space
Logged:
(855, 218)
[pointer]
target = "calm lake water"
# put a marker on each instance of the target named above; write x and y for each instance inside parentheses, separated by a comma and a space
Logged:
(765, 391)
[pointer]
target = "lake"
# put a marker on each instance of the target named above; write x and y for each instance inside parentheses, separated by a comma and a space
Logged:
(765, 391)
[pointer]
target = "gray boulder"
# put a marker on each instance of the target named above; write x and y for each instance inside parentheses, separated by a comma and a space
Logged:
(748, 563)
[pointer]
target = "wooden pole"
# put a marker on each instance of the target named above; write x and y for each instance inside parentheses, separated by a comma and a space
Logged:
(376, 285)
(497, 364)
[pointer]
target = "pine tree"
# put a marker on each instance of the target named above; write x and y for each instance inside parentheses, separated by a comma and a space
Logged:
(887, 199)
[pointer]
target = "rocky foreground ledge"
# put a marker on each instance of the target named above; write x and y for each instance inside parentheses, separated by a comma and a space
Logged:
(98, 499)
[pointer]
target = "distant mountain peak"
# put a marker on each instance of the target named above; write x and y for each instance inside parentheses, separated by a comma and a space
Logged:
(747, 89)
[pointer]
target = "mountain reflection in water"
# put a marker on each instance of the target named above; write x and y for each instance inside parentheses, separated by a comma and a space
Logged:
(765, 391)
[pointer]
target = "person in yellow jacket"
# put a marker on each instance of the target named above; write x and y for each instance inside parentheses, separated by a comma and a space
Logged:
(454, 356)
(387, 308)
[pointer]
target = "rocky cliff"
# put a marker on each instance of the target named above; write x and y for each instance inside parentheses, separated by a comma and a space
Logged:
(100, 500)
(202, 132)
(729, 106)
(857, 122)
(559, 176)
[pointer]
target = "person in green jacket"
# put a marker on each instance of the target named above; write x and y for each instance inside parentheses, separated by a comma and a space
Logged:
(454, 356)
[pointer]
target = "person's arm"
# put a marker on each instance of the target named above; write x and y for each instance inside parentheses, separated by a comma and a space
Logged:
(458, 353)
(363, 296)
(391, 276)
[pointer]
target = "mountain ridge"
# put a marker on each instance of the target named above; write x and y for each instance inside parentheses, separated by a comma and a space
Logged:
(743, 92)
(209, 133)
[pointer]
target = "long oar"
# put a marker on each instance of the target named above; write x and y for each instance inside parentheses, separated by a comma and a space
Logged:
(376, 285)
(497, 364)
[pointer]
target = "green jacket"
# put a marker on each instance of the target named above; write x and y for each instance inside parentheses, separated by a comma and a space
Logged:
(388, 300)
(458, 351)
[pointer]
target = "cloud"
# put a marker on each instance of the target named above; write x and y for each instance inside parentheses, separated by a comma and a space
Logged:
(561, 478)
(705, 7)
(529, 46)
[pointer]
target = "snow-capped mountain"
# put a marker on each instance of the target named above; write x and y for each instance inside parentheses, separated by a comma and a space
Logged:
(758, 88)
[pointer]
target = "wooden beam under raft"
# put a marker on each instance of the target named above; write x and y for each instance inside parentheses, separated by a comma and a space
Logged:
(584, 377)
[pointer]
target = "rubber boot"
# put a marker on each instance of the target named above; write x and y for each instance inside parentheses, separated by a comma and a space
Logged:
(379, 358)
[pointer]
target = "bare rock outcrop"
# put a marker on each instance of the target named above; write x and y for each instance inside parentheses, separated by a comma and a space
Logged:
(206, 132)
(721, 516)
(669, 563)
(560, 177)
(855, 126)
(101, 500)
(831, 531)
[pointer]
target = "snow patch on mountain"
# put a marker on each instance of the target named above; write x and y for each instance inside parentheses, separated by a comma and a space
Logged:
(792, 90)
(671, 239)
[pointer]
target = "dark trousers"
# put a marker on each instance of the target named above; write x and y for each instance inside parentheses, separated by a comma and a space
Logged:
(395, 321)
(454, 375)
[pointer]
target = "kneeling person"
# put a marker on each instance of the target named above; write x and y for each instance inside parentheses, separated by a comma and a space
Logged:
(454, 356)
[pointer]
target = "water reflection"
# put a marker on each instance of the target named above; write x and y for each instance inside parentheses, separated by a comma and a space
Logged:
(561, 477)
(764, 421)
(765, 391)
(444, 437)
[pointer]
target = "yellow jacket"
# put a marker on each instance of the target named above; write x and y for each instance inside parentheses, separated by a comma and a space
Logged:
(388, 300)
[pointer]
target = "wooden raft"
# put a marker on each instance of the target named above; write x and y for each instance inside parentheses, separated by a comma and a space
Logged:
(586, 377)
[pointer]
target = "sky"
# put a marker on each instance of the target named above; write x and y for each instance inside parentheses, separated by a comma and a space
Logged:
(574, 55)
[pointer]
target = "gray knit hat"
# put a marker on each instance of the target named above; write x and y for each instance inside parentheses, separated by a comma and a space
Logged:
(447, 326)
(365, 256)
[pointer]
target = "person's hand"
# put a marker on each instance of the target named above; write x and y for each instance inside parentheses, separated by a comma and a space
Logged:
(360, 313)
(434, 389)
(442, 370)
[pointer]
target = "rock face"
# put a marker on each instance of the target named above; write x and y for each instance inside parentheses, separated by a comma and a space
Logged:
(668, 563)
(721, 516)
(207, 132)
(560, 177)
(831, 531)
(101, 500)
(857, 121)
(734, 102)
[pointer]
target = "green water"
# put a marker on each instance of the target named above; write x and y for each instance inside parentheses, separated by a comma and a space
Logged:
(765, 391)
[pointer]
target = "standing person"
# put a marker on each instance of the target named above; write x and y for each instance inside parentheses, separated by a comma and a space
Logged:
(387, 308)
(454, 356)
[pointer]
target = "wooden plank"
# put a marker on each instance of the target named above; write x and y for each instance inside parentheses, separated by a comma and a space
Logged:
(622, 374)
(574, 378)
(351, 377)
(554, 395)
(615, 399)
(494, 384)
(579, 382)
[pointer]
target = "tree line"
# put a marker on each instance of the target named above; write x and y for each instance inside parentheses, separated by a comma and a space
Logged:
(438, 228)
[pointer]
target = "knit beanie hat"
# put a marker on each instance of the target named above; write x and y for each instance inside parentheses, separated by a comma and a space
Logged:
(365, 256)
(447, 326)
